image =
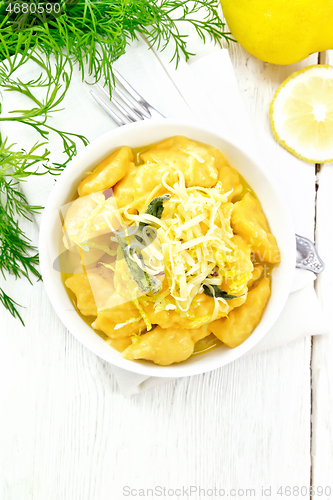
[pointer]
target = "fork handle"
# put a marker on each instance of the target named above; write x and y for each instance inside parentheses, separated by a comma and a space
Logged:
(307, 256)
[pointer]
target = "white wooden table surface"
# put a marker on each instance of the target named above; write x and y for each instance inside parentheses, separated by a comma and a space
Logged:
(264, 421)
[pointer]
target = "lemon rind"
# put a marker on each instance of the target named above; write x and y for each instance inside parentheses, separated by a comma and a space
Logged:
(271, 112)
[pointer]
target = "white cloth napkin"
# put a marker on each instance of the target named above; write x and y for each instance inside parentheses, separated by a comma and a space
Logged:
(204, 90)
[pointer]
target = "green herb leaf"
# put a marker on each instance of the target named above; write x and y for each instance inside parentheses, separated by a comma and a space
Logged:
(155, 208)
(146, 282)
(218, 293)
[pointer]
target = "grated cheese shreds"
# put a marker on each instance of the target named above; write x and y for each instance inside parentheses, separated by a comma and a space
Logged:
(194, 247)
(196, 241)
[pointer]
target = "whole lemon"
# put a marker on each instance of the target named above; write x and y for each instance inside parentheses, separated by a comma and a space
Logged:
(281, 31)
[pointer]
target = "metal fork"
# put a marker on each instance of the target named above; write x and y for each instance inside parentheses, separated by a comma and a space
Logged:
(130, 109)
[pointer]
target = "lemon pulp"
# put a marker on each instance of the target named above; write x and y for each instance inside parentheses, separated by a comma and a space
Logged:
(302, 114)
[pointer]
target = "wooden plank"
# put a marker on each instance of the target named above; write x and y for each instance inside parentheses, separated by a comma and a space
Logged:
(258, 82)
(322, 360)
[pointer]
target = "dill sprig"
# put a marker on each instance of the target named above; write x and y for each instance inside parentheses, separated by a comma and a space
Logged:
(55, 76)
(91, 34)
(18, 257)
(20, 164)
(10, 305)
(94, 34)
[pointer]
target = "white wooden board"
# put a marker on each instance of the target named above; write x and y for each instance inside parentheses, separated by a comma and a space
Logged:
(322, 360)
(66, 431)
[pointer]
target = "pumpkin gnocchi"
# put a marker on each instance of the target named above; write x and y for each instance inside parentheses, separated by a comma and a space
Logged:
(178, 260)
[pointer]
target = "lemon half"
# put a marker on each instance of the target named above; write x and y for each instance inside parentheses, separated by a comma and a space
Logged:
(302, 114)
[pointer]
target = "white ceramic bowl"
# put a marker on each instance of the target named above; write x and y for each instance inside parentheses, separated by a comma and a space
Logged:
(140, 134)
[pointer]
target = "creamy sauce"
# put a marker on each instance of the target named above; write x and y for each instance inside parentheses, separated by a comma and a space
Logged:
(204, 345)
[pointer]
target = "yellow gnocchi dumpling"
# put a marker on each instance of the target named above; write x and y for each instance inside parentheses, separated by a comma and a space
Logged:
(119, 321)
(241, 322)
(202, 308)
(227, 175)
(195, 160)
(204, 238)
(248, 220)
(123, 191)
(78, 212)
(230, 181)
(149, 176)
(162, 346)
(92, 290)
(243, 253)
(113, 168)
(165, 319)
(257, 273)
(79, 284)
(119, 344)
(200, 333)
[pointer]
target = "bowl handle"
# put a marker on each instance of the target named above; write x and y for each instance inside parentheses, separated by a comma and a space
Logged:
(307, 256)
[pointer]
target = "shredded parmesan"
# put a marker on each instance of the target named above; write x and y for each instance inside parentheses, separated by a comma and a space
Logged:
(196, 240)
(192, 244)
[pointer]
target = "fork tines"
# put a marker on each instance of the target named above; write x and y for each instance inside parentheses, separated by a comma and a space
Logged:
(129, 106)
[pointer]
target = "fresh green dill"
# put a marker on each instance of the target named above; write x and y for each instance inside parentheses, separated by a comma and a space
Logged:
(17, 255)
(10, 305)
(21, 164)
(91, 34)
(94, 34)
(55, 76)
